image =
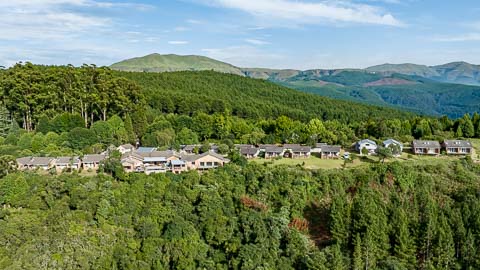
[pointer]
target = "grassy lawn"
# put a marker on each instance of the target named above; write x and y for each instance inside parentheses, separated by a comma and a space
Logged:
(318, 163)
(312, 163)
(476, 149)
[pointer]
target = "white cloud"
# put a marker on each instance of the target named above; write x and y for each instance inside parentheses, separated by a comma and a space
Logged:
(246, 56)
(256, 28)
(46, 19)
(256, 41)
(178, 42)
(311, 13)
(458, 38)
(61, 31)
(192, 21)
(472, 25)
(181, 29)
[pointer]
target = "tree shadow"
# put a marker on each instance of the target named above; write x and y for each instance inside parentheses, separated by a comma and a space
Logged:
(367, 159)
(318, 218)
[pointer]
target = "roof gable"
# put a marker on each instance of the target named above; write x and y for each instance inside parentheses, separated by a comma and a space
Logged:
(146, 149)
(458, 143)
(331, 148)
(392, 141)
(425, 144)
(367, 141)
(67, 160)
(93, 158)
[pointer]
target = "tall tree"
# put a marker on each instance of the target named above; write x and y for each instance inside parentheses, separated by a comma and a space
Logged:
(132, 138)
(468, 129)
(5, 122)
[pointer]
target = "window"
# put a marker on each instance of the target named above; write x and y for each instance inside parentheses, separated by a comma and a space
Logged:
(202, 164)
(209, 163)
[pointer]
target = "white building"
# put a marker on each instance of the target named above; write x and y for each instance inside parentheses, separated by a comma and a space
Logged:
(390, 142)
(370, 145)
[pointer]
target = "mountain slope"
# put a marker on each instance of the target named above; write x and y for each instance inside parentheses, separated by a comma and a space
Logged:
(456, 72)
(417, 88)
(412, 93)
(407, 69)
(171, 62)
(459, 72)
(190, 92)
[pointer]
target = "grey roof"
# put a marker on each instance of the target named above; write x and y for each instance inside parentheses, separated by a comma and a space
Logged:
(190, 147)
(297, 147)
(93, 158)
(189, 158)
(265, 146)
(166, 154)
(319, 145)
(367, 141)
(458, 143)
(67, 160)
(274, 149)
(331, 148)
(425, 144)
(392, 141)
(146, 149)
(24, 161)
(301, 148)
(214, 155)
(239, 146)
(248, 150)
(127, 146)
(41, 161)
(132, 155)
(290, 145)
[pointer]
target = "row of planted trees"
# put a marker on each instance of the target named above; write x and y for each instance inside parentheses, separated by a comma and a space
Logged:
(30, 91)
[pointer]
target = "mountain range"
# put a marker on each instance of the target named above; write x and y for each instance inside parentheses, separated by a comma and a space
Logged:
(451, 89)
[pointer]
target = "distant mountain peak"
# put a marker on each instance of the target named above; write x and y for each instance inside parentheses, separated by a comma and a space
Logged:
(406, 68)
(455, 72)
(156, 62)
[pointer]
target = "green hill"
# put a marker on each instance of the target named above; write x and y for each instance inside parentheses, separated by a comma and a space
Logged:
(188, 92)
(171, 62)
(407, 69)
(456, 72)
(412, 93)
(459, 72)
(435, 90)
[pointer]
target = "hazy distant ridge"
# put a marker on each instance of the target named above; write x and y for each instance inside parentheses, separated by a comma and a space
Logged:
(171, 62)
(455, 72)
(451, 89)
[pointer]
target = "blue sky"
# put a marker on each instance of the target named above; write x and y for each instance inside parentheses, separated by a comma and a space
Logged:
(300, 34)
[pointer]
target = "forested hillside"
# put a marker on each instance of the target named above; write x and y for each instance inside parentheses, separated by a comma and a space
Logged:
(395, 216)
(31, 91)
(189, 92)
(54, 111)
(411, 93)
(436, 91)
(398, 215)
